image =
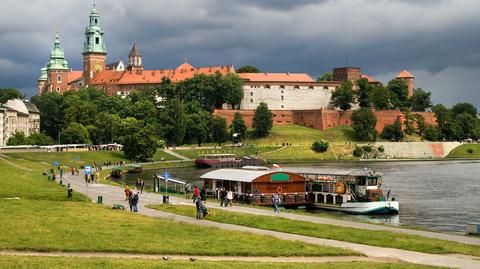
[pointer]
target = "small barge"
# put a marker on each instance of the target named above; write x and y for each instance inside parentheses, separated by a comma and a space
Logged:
(226, 161)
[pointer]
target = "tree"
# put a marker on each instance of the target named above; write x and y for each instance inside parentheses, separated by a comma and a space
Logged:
(469, 125)
(232, 86)
(320, 146)
(363, 92)
(219, 130)
(18, 138)
(51, 106)
(327, 76)
(443, 116)
(399, 93)
(343, 97)
(198, 122)
(39, 139)
(431, 133)
(107, 128)
(238, 126)
(420, 100)
(262, 120)
(379, 97)
(75, 133)
(248, 69)
(363, 123)
(8, 94)
(393, 131)
(464, 108)
(138, 139)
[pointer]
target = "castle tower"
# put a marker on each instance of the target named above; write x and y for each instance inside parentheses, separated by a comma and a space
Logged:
(94, 52)
(409, 79)
(57, 69)
(42, 80)
(135, 59)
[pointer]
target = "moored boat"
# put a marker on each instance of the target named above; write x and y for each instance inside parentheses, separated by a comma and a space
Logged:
(225, 161)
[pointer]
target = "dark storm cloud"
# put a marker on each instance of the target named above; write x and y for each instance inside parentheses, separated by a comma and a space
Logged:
(436, 40)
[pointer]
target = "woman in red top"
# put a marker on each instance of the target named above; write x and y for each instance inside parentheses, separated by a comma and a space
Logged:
(196, 193)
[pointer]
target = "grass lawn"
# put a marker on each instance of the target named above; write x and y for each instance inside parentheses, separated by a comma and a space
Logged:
(299, 135)
(462, 151)
(66, 158)
(336, 151)
(110, 263)
(42, 221)
(374, 238)
(194, 153)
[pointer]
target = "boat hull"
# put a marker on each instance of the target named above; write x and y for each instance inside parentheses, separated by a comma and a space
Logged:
(201, 163)
(381, 207)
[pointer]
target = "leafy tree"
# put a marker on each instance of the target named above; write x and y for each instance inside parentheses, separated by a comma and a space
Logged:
(320, 146)
(452, 131)
(420, 122)
(379, 97)
(420, 100)
(399, 93)
(469, 125)
(363, 123)
(8, 94)
(219, 130)
(106, 129)
(431, 133)
(238, 126)
(39, 139)
(461, 108)
(409, 122)
(138, 140)
(443, 116)
(248, 69)
(75, 133)
(327, 76)
(145, 110)
(51, 106)
(393, 131)
(363, 92)
(232, 86)
(198, 123)
(262, 120)
(343, 97)
(18, 138)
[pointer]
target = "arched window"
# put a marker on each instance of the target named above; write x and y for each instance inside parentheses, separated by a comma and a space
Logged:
(58, 89)
(59, 79)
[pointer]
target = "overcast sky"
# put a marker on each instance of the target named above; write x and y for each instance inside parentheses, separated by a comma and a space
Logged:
(438, 41)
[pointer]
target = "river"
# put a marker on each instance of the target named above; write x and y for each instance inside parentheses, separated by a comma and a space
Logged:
(437, 195)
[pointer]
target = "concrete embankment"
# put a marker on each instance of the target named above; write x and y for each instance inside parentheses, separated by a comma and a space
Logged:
(417, 149)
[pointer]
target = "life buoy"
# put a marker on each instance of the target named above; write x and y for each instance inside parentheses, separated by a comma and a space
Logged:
(340, 187)
(279, 189)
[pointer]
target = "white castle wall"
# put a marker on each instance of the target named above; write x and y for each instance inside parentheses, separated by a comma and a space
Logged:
(418, 149)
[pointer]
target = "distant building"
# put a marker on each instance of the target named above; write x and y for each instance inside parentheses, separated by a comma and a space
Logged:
(18, 116)
(409, 79)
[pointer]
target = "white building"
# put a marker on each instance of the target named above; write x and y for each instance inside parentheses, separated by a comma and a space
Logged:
(285, 91)
(18, 116)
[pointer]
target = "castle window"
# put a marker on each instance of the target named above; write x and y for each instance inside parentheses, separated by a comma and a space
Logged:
(58, 89)
(296, 87)
(267, 86)
(282, 91)
(97, 40)
(59, 79)
(282, 86)
(282, 97)
(325, 87)
(96, 21)
(310, 87)
(251, 93)
(251, 100)
(282, 106)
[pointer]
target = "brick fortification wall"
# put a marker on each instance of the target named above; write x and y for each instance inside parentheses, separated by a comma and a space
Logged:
(323, 119)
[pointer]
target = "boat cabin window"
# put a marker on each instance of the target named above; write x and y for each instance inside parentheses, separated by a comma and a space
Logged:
(362, 181)
(372, 181)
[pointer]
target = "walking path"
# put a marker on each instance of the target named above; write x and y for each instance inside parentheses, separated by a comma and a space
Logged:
(180, 156)
(114, 195)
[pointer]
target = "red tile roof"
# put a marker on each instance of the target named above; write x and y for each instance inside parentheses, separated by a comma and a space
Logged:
(73, 76)
(276, 77)
(184, 71)
(405, 74)
(369, 78)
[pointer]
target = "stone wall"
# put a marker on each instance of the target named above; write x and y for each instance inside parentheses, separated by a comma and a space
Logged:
(418, 149)
(280, 117)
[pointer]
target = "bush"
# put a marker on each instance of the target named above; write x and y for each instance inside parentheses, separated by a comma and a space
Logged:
(320, 146)
(393, 131)
(470, 150)
(367, 148)
(358, 151)
(432, 133)
(381, 149)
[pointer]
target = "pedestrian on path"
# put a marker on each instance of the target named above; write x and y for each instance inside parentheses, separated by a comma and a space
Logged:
(135, 200)
(130, 200)
(198, 204)
(137, 184)
(196, 193)
(223, 197)
(203, 195)
(229, 198)
(276, 202)
(188, 190)
(127, 192)
(142, 185)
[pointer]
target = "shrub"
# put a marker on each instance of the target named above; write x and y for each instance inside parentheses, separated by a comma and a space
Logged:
(470, 150)
(393, 132)
(381, 149)
(358, 151)
(432, 133)
(320, 146)
(367, 148)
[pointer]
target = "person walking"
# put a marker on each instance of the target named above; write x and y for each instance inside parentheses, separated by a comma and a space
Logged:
(229, 198)
(198, 204)
(276, 202)
(223, 197)
(137, 184)
(196, 193)
(188, 190)
(135, 200)
(142, 185)
(127, 192)
(203, 194)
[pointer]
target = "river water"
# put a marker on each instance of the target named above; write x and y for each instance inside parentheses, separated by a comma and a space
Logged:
(438, 195)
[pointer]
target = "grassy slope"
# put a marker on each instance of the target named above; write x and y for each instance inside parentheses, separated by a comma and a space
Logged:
(336, 151)
(110, 263)
(375, 238)
(66, 158)
(40, 222)
(462, 151)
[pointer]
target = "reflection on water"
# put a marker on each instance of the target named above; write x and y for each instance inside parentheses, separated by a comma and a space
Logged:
(439, 195)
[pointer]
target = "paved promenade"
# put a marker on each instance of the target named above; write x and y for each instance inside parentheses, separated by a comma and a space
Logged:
(114, 195)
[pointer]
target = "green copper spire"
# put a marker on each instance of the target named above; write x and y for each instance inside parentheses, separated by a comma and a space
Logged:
(94, 35)
(57, 57)
(43, 74)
